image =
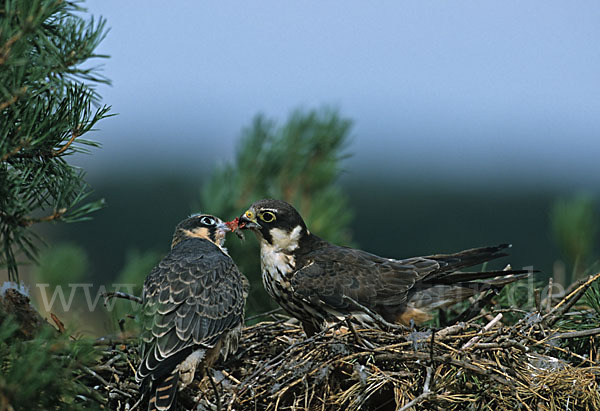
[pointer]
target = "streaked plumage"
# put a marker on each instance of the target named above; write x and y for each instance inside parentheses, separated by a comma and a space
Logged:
(193, 309)
(316, 281)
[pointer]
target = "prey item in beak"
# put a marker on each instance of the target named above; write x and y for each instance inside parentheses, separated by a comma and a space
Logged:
(248, 220)
(234, 226)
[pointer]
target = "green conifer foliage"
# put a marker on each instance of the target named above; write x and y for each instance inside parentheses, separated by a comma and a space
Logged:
(47, 105)
(299, 162)
(575, 227)
(42, 373)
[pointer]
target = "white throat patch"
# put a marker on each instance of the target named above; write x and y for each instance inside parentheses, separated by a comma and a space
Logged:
(282, 241)
(276, 258)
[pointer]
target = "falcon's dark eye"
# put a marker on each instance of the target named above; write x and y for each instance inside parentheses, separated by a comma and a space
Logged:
(209, 221)
(267, 216)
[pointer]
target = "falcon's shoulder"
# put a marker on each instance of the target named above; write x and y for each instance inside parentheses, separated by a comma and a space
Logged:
(330, 272)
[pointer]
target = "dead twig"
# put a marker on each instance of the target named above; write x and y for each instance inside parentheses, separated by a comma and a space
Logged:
(487, 327)
(119, 294)
(566, 303)
(573, 334)
(214, 387)
(359, 340)
(424, 396)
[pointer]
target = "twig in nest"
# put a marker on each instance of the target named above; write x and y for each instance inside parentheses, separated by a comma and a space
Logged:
(274, 362)
(231, 377)
(119, 294)
(566, 303)
(537, 298)
(451, 330)
(137, 403)
(214, 387)
(359, 340)
(425, 395)
(431, 347)
(549, 297)
(96, 375)
(574, 334)
(487, 327)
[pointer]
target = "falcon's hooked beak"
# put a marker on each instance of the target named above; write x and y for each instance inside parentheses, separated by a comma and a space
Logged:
(248, 220)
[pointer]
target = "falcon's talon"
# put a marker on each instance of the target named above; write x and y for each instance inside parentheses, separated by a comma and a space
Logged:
(318, 282)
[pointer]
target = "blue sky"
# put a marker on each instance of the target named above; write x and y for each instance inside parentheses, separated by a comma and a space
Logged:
(446, 89)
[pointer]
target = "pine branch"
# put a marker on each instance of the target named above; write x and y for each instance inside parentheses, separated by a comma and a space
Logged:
(64, 148)
(47, 103)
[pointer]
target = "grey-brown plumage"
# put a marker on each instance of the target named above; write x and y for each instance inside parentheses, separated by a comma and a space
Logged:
(316, 281)
(193, 309)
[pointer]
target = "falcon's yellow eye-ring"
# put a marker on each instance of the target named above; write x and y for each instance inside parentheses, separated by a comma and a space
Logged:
(267, 216)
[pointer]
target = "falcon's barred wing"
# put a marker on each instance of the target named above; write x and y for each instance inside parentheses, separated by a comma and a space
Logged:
(333, 272)
(194, 296)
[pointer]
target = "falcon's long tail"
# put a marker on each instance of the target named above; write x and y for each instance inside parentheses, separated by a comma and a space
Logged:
(448, 286)
(471, 257)
(164, 393)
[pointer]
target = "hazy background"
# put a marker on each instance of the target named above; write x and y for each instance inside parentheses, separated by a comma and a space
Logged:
(461, 90)
(470, 118)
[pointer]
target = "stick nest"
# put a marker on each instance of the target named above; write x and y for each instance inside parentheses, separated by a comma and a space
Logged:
(502, 359)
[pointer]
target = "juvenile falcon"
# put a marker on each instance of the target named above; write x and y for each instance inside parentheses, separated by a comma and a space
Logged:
(193, 309)
(316, 281)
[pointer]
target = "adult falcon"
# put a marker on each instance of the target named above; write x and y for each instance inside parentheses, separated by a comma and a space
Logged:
(193, 309)
(316, 281)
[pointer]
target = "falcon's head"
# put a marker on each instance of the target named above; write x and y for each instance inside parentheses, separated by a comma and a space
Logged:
(275, 222)
(205, 226)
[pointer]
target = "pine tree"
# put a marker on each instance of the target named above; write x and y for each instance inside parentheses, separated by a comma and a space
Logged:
(298, 162)
(47, 105)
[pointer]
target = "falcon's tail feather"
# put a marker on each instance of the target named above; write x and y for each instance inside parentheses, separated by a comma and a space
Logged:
(504, 276)
(163, 396)
(471, 257)
(429, 296)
